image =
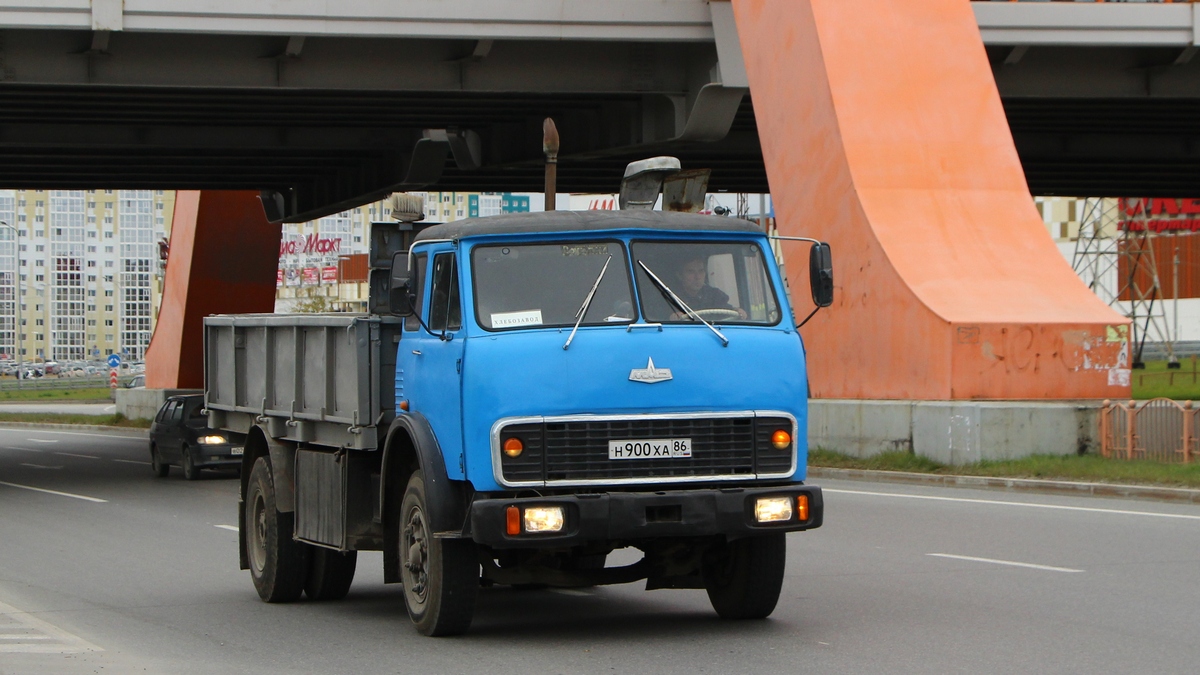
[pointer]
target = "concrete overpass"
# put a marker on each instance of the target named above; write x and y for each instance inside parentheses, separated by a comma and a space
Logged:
(330, 104)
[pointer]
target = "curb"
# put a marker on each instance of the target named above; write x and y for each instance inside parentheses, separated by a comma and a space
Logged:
(115, 431)
(1036, 485)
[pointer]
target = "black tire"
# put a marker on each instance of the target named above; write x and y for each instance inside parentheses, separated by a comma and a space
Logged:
(329, 573)
(157, 465)
(441, 576)
(744, 577)
(190, 472)
(278, 565)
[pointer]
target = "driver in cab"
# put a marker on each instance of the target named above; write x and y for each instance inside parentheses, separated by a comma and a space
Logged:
(693, 289)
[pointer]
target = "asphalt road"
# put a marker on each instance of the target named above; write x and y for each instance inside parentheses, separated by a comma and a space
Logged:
(899, 580)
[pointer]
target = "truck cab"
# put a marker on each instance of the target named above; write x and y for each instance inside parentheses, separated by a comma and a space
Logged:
(536, 391)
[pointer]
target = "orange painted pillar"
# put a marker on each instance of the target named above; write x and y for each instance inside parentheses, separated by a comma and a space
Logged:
(883, 133)
(223, 259)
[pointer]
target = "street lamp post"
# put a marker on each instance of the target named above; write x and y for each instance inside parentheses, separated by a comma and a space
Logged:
(17, 301)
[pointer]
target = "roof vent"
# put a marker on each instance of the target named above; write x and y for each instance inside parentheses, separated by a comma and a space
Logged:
(407, 208)
(643, 182)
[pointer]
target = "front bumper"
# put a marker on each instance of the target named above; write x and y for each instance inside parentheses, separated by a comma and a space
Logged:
(623, 516)
(215, 456)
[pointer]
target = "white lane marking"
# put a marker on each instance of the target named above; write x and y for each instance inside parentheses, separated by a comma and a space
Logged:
(39, 466)
(41, 637)
(55, 492)
(1011, 563)
(231, 528)
(71, 454)
(41, 440)
(1059, 507)
(131, 461)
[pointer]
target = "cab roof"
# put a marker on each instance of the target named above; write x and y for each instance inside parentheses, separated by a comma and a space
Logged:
(585, 221)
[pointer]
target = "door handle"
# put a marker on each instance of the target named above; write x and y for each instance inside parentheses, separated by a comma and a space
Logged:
(417, 352)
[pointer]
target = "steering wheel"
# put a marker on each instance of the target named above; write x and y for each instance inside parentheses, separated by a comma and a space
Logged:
(717, 314)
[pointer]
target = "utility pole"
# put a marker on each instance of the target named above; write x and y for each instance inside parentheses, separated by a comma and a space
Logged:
(17, 302)
(550, 148)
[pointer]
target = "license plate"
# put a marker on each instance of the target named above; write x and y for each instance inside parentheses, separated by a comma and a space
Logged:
(236, 450)
(650, 448)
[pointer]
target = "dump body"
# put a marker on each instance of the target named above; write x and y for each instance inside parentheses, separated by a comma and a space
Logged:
(324, 379)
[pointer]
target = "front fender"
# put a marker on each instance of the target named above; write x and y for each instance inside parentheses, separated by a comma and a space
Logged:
(448, 499)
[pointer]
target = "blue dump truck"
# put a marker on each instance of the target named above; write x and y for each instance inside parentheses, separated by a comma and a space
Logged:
(528, 394)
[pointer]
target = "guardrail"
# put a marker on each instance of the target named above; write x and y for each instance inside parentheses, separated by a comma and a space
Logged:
(1159, 429)
(1157, 2)
(54, 382)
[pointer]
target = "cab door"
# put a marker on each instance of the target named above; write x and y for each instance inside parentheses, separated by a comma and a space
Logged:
(431, 360)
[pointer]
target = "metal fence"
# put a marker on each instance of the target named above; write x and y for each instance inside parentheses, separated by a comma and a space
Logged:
(1159, 429)
(54, 382)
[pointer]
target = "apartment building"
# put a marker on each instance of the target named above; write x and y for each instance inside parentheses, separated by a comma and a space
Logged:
(86, 269)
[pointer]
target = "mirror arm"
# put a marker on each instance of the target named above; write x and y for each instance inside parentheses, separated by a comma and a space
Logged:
(810, 315)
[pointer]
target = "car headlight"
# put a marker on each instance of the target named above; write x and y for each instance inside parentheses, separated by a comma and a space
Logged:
(213, 440)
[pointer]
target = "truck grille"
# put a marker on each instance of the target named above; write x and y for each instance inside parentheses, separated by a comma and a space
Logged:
(578, 450)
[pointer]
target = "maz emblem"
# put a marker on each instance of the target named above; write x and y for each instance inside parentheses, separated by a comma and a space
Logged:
(650, 374)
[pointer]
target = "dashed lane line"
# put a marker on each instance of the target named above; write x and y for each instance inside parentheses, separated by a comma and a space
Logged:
(55, 492)
(998, 502)
(1010, 563)
(42, 440)
(231, 528)
(40, 466)
(131, 461)
(72, 454)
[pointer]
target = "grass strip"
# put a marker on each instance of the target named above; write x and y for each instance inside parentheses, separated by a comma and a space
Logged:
(91, 394)
(1086, 468)
(118, 420)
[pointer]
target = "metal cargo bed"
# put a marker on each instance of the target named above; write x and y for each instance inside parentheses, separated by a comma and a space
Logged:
(321, 379)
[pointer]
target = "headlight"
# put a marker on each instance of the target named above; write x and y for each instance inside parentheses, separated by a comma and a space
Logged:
(773, 509)
(545, 519)
(213, 440)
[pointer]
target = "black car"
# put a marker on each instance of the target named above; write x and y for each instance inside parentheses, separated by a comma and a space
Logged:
(180, 437)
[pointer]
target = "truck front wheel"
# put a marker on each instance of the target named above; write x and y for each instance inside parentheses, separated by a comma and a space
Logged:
(441, 576)
(744, 577)
(278, 565)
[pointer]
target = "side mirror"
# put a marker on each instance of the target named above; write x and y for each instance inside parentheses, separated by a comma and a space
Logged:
(820, 274)
(399, 296)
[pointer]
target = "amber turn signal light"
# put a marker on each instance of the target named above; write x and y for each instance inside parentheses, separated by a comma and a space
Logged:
(513, 521)
(404, 405)
(513, 447)
(802, 508)
(781, 439)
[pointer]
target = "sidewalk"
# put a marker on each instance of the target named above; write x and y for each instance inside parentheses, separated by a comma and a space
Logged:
(1034, 485)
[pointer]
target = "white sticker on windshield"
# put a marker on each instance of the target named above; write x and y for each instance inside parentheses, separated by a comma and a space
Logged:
(528, 317)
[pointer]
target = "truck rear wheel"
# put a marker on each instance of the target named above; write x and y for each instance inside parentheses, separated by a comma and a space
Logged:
(441, 576)
(330, 573)
(278, 564)
(744, 577)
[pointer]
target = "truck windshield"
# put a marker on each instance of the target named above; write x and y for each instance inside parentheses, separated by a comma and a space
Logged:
(723, 282)
(529, 285)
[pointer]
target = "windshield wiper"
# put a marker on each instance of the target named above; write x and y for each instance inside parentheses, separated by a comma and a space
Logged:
(587, 303)
(662, 286)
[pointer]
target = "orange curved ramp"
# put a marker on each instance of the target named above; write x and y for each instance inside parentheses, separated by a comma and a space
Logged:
(222, 260)
(882, 132)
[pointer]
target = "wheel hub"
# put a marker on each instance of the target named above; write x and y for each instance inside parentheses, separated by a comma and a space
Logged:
(414, 551)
